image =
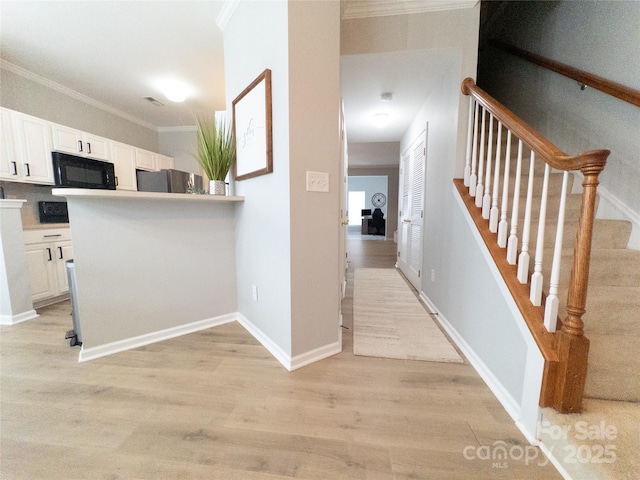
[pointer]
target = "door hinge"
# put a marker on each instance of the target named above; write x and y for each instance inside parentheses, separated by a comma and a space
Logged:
(419, 273)
(398, 253)
(421, 213)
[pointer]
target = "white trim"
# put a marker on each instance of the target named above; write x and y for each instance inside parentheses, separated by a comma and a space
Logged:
(34, 77)
(20, 317)
(316, 355)
(504, 397)
(383, 8)
(92, 353)
(611, 207)
(275, 350)
(226, 12)
(11, 203)
(185, 128)
(549, 453)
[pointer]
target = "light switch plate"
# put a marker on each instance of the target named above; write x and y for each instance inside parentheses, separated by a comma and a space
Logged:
(317, 182)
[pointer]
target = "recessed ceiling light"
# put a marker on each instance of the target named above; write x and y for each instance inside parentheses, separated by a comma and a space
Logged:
(381, 119)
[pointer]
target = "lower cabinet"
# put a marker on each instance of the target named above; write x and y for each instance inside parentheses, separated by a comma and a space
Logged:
(47, 251)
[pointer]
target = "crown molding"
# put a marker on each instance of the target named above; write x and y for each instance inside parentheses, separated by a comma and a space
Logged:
(226, 12)
(384, 8)
(185, 128)
(29, 75)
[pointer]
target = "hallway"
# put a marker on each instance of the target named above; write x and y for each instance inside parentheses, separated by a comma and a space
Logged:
(215, 404)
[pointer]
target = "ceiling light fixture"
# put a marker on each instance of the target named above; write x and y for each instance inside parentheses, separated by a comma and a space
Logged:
(175, 92)
(381, 119)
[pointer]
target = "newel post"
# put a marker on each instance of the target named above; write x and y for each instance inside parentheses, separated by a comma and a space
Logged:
(572, 346)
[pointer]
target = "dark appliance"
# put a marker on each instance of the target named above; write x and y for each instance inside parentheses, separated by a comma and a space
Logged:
(53, 212)
(167, 181)
(80, 172)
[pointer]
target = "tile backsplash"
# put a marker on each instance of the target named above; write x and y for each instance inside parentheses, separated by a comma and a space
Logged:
(32, 194)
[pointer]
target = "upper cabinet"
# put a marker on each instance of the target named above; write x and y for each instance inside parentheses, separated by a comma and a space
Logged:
(26, 144)
(28, 158)
(124, 160)
(80, 143)
(163, 162)
(145, 160)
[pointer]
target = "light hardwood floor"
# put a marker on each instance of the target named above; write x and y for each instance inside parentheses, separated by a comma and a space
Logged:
(216, 405)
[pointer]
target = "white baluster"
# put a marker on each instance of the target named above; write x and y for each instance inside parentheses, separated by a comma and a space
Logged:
(473, 178)
(552, 302)
(480, 187)
(535, 293)
(486, 199)
(503, 225)
(467, 157)
(493, 215)
(512, 246)
(523, 258)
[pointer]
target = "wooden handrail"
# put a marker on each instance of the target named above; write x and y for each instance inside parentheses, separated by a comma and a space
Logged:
(614, 89)
(543, 147)
(564, 376)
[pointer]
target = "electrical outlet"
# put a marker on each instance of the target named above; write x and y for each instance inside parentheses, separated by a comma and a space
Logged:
(317, 182)
(254, 293)
(433, 275)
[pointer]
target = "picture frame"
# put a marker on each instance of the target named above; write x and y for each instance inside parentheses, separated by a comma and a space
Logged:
(252, 129)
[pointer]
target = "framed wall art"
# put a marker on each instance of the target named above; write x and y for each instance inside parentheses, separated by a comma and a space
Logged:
(252, 129)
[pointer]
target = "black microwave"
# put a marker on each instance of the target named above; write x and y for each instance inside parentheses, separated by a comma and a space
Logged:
(79, 172)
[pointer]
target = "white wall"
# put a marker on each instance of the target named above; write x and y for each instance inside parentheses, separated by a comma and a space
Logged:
(256, 38)
(182, 145)
(370, 185)
(599, 37)
(288, 254)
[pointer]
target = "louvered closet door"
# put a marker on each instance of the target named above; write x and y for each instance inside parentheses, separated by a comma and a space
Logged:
(411, 214)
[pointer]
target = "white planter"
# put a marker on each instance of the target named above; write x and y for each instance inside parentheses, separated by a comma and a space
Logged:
(217, 187)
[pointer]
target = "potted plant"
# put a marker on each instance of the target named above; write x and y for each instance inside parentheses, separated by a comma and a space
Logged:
(216, 152)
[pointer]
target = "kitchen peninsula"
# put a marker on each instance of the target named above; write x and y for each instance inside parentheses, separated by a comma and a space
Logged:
(150, 266)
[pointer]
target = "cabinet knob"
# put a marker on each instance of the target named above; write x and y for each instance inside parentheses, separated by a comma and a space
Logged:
(26, 166)
(15, 168)
(79, 145)
(49, 253)
(59, 253)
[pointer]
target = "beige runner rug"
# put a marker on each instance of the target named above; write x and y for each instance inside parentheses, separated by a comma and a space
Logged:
(390, 322)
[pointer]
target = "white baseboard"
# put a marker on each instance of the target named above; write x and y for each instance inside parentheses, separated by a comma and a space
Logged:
(318, 354)
(283, 357)
(92, 353)
(611, 207)
(496, 387)
(288, 362)
(20, 317)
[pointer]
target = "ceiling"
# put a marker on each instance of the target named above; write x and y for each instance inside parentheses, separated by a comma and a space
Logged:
(112, 54)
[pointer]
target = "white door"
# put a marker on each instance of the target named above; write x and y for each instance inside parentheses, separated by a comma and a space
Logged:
(411, 213)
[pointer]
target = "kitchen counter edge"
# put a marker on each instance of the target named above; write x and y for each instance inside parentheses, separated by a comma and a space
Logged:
(123, 194)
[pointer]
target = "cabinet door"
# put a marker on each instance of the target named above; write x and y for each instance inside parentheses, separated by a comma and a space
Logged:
(164, 162)
(33, 138)
(41, 271)
(63, 252)
(124, 160)
(145, 160)
(68, 140)
(97, 147)
(8, 160)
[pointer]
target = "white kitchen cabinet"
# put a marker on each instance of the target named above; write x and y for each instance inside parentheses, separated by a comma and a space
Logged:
(31, 157)
(163, 162)
(77, 142)
(145, 160)
(47, 251)
(7, 146)
(124, 160)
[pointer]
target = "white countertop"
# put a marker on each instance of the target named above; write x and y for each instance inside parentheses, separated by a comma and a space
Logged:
(124, 194)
